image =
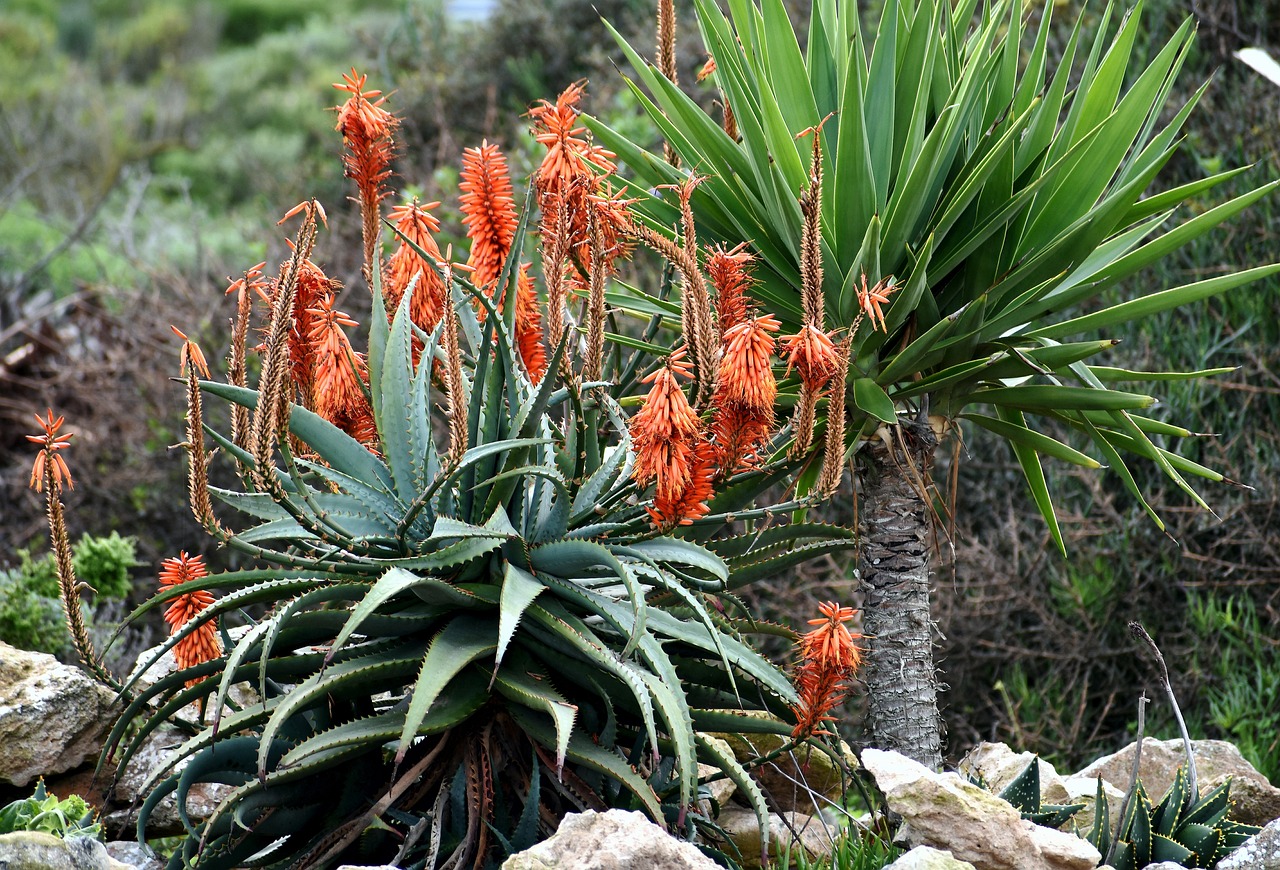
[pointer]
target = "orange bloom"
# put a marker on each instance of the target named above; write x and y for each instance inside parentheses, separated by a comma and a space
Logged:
(871, 298)
(707, 69)
(313, 288)
(201, 645)
(48, 460)
(340, 372)
(665, 432)
(690, 502)
(746, 377)
(829, 656)
(252, 281)
(368, 130)
(489, 212)
(730, 273)
(740, 433)
(813, 355)
(529, 327)
(190, 353)
(416, 224)
(569, 155)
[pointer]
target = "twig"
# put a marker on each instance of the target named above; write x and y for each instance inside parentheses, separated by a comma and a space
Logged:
(1141, 633)
(1133, 776)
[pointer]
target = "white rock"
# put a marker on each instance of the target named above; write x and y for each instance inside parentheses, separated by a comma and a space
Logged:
(947, 812)
(36, 850)
(928, 858)
(794, 831)
(140, 856)
(617, 839)
(53, 717)
(1260, 852)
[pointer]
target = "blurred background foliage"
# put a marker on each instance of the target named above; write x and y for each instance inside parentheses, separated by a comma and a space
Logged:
(145, 144)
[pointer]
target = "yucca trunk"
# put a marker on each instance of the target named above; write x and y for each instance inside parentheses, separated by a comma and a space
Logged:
(902, 685)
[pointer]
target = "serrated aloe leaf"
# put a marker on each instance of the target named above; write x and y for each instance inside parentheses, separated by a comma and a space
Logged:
(369, 674)
(519, 589)
(464, 640)
(526, 685)
(452, 710)
(738, 775)
(1023, 791)
(390, 584)
(599, 758)
(567, 631)
(601, 480)
(403, 424)
(677, 551)
(449, 558)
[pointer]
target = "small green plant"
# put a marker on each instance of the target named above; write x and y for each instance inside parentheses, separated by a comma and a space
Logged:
(30, 612)
(1186, 828)
(855, 848)
(69, 817)
(1024, 793)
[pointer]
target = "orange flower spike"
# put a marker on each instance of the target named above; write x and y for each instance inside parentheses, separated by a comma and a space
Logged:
(830, 656)
(730, 273)
(529, 327)
(201, 645)
(871, 298)
(190, 353)
(51, 442)
(665, 431)
(489, 211)
(746, 377)
(689, 503)
(813, 355)
(252, 281)
(415, 223)
(569, 155)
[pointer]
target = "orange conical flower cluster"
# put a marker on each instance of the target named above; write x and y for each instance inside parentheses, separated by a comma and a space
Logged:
(488, 212)
(406, 268)
(368, 130)
(829, 658)
(340, 374)
(744, 394)
(730, 273)
(201, 645)
(529, 326)
(571, 177)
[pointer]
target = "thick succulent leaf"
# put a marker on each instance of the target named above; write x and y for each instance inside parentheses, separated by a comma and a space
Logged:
(525, 684)
(330, 443)
(366, 674)
(392, 583)
(519, 589)
(583, 751)
(746, 785)
(464, 640)
(1020, 433)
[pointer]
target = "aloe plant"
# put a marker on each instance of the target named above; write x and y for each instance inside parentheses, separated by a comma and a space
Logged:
(460, 625)
(1184, 827)
(998, 198)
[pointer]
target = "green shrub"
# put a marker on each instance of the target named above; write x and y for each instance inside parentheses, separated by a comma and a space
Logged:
(30, 611)
(70, 817)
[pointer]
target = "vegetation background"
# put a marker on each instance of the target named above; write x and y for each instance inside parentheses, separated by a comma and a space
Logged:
(146, 144)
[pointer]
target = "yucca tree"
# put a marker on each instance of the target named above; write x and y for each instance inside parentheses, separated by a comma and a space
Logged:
(979, 218)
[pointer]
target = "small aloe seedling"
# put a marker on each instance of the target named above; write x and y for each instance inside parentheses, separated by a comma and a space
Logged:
(1024, 793)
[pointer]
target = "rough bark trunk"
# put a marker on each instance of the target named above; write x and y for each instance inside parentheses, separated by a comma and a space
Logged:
(902, 685)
